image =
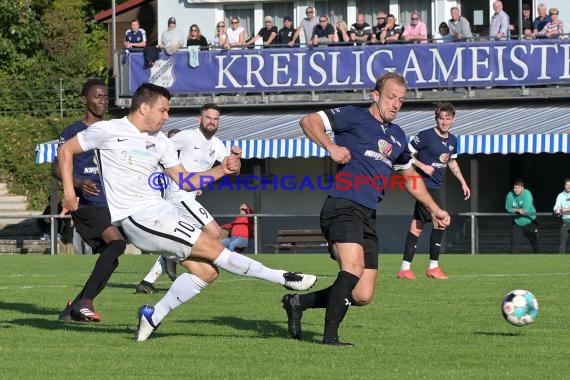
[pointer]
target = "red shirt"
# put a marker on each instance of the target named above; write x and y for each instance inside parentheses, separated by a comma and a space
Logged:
(241, 226)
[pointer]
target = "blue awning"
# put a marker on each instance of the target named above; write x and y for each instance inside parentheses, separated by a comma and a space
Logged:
(491, 129)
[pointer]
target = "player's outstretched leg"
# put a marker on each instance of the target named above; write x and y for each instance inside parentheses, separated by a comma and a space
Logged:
(244, 266)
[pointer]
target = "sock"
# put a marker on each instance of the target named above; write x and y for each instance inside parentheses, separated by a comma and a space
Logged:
(184, 288)
(244, 266)
(157, 269)
(103, 269)
(406, 265)
(435, 244)
(410, 247)
(339, 300)
(433, 264)
(315, 300)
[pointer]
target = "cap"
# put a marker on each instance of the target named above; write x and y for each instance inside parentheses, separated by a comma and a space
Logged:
(171, 20)
(287, 18)
(268, 18)
(525, 7)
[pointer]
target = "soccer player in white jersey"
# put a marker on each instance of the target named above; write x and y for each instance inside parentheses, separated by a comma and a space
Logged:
(131, 152)
(198, 150)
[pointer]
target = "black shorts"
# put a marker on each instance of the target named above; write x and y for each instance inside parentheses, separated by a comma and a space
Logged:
(90, 222)
(345, 221)
(421, 212)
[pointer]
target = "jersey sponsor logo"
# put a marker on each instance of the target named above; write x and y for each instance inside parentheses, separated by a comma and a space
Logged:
(149, 145)
(91, 170)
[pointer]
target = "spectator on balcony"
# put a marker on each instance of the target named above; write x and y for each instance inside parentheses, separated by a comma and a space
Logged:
(195, 38)
(499, 28)
(392, 32)
(377, 29)
(135, 37)
(236, 35)
(416, 31)
(526, 22)
(221, 37)
(541, 20)
(268, 34)
(323, 32)
(307, 26)
(341, 36)
(286, 33)
(360, 31)
(555, 28)
(172, 39)
(443, 34)
(459, 26)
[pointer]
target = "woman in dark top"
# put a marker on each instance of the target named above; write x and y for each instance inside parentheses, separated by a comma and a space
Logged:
(195, 38)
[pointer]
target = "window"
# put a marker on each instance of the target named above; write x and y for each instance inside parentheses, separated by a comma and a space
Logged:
(409, 6)
(370, 9)
(335, 9)
(245, 16)
(277, 11)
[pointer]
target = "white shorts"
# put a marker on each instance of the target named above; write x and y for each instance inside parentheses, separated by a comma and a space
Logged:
(193, 211)
(163, 230)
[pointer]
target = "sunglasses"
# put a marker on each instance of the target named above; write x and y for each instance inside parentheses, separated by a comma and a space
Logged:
(309, 12)
(380, 18)
(221, 26)
(195, 30)
(235, 22)
(415, 18)
(322, 20)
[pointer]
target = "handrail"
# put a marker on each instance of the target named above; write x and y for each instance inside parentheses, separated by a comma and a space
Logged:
(473, 216)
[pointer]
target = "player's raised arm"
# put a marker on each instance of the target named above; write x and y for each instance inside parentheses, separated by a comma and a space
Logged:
(194, 181)
(314, 128)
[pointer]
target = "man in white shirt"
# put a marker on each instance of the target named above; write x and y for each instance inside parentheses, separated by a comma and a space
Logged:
(172, 39)
(131, 153)
(562, 210)
(198, 150)
(499, 28)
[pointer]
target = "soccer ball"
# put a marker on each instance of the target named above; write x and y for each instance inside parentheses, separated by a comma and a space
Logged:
(520, 307)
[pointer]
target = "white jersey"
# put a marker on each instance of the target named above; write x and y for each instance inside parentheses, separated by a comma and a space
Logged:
(196, 154)
(129, 161)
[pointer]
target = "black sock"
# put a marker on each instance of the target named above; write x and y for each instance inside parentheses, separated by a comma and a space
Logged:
(340, 298)
(103, 269)
(410, 247)
(435, 243)
(315, 300)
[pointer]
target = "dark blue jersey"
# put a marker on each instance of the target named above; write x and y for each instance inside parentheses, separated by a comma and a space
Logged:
(84, 167)
(135, 37)
(434, 150)
(376, 150)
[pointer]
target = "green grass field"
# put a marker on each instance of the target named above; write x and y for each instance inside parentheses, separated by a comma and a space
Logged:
(236, 329)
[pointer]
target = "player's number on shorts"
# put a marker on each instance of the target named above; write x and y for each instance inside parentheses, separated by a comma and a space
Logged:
(185, 228)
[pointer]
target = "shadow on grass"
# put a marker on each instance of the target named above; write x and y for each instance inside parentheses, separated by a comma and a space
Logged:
(27, 308)
(496, 333)
(263, 328)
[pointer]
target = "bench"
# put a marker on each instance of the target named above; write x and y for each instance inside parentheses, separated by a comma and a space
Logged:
(292, 240)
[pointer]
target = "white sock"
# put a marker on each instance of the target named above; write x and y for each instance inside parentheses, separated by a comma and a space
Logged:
(433, 264)
(184, 288)
(157, 269)
(244, 266)
(406, 265)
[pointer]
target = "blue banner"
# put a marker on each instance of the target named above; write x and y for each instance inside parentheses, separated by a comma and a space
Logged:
(340, 68)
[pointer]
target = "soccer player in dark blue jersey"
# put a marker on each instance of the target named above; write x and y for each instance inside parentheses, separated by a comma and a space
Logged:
(434, 150)
(92, 220)
(368, 147)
